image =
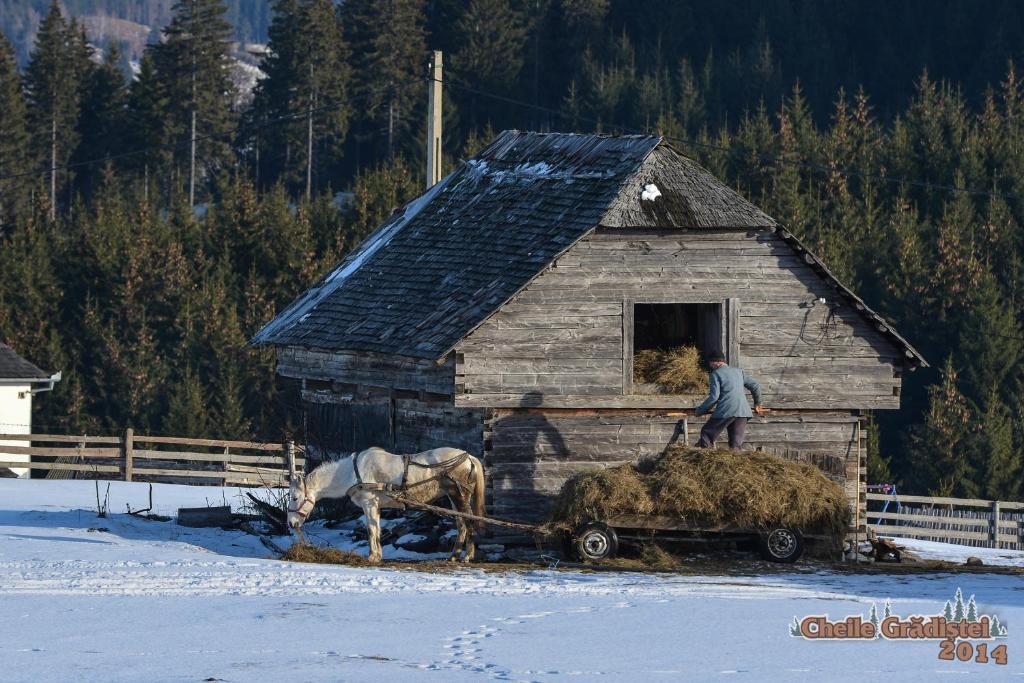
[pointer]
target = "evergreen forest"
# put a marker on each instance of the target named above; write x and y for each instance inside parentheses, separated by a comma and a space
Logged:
(151, 220)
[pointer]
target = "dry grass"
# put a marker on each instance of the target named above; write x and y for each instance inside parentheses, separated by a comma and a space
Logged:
(708, 488)
(675, 371)
(303, 552)
(600, 494)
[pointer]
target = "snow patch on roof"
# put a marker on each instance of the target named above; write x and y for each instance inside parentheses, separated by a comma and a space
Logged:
(303, 307)
(650, 193)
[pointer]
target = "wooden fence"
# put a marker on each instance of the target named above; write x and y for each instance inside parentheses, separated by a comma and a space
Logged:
(170, 459)
(965, 521)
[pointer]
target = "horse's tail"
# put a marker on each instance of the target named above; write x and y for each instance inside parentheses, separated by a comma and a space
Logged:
(478, 491)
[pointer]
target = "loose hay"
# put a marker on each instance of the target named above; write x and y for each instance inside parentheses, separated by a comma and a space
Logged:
(708, 488)
(603, 493)
(675, 371)
(303, 552)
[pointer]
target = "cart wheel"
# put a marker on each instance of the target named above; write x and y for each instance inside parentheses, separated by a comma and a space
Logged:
(781, 544)
(595, 541)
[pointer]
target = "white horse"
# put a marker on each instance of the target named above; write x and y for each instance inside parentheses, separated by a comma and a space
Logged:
(371, 476)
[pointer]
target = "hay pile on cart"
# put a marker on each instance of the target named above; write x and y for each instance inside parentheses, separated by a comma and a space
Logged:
(709, 489)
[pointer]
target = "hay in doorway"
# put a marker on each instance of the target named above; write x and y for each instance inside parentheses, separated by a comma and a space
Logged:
(674, 371)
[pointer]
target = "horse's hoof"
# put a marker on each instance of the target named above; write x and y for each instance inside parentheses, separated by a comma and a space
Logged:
(453, 559)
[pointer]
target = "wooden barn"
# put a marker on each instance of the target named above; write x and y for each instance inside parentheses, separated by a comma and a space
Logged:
(500, 313)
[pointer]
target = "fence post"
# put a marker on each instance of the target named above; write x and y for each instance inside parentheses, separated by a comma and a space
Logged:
(995, 523)
(289, 452)
(128, 446)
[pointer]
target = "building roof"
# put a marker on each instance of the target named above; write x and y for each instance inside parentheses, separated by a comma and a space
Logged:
(448, 260)
(13, 366)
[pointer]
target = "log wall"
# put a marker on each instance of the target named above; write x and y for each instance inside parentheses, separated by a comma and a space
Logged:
(564, 341)
(357, 368)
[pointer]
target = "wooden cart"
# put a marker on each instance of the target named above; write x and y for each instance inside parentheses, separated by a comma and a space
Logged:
(599, 540)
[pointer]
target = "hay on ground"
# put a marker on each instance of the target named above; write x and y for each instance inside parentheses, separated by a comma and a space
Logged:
(303, 552)
(709, 487)
(674, 371)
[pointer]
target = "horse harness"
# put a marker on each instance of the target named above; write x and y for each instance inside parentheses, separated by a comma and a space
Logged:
(446, 467)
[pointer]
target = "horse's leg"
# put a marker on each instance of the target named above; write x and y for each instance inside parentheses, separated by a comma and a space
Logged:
(460, 524)
(465, 541)
(468, 529)
(459, 541)
(371, 508)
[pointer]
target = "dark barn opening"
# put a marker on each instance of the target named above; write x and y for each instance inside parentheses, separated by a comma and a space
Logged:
(668, 326)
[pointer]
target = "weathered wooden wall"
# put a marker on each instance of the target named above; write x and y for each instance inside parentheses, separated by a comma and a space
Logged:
(338, 423)
(420, 426)
(560, 342)
(532, 452)
(355, 369)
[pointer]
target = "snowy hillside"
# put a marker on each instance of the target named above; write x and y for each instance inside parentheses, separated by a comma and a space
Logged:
(128, 599)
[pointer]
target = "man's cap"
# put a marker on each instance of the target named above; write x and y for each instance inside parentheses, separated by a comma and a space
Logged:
(713, 356)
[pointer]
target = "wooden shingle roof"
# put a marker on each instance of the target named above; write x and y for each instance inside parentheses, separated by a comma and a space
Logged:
(446, 261)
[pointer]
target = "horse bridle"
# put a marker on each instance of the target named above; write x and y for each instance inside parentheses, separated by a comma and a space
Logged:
(306, 508)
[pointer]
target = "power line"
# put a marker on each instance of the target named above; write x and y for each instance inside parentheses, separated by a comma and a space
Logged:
(822, 168)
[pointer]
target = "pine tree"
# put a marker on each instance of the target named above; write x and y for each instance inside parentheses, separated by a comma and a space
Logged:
(58, 66)
(937, 459)
(193, 69)
(958, 606)
(102, 123)
(14, 139)
(308, 79)
(873, 619)
(990, 335)
(145, 125)
(947, 611)
(187, 412)
(972, 610)
(996, 456)
(997, 629)
(888, 609)
(389, 54)
(490, 36)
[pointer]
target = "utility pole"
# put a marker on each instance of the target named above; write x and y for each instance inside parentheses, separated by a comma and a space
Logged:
(53, 166)
(309, 136)
(192, 141)
(434, 122)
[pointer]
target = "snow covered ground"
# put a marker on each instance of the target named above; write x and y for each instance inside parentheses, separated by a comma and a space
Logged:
(153, 601)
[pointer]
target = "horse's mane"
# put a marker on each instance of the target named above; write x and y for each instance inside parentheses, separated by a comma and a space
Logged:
(327, 468)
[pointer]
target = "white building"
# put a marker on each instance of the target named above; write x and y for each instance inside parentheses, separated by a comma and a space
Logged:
(19, 381)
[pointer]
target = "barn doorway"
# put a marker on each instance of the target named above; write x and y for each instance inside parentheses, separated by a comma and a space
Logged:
(661, 327)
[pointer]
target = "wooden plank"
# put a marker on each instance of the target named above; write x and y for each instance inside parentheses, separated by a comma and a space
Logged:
(174, 472)
(936, 500)
(941, 534)
(129, 447)
(215, 457)
(628, 313)
(213, 443)
(61, 452)
(936, 519)
(219, 516)
(826, 402)
(75, 467)
(60, 438)
(731, 323)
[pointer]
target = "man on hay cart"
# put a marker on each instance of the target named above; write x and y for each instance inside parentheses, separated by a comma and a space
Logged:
(731, 410)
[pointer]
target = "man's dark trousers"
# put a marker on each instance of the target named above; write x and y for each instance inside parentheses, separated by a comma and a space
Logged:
(737, 427)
